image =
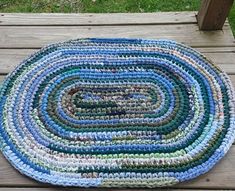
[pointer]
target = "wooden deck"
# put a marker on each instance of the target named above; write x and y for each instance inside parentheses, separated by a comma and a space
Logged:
(23, 34)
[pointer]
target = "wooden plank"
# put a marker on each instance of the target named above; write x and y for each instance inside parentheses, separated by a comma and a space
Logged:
(232, 78)
(213, 13)
(10, 58)
(32, 19)
(220, 177)
(224, 58)
(216, 49)
(38, 36)
(2, 77)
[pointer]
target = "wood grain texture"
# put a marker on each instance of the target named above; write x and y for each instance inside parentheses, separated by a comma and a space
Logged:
(224, 58)
(50, 19)
(215, 49)
(221, 176)
(38, 36)
(213, 14)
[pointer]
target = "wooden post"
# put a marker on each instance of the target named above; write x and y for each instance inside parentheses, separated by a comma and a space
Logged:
(213, 13)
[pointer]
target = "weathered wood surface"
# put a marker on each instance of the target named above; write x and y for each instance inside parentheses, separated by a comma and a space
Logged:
(213, 14)
(43, 19)
(38, 36)
(23, 34)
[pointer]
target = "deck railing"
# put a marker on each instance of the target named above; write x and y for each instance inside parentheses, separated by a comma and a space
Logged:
(213, 13)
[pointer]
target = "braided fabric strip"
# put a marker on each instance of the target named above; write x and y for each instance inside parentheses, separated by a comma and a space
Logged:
(116, 113)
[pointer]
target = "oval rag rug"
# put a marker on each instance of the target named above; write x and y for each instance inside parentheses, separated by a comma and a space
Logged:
(116, 113)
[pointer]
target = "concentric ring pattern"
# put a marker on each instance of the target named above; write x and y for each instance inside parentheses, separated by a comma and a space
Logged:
(116, 113)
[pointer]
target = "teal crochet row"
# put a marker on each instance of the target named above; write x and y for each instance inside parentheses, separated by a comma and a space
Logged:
(116, 113)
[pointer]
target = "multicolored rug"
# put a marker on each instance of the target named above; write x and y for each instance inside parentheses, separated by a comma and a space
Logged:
(116, 113)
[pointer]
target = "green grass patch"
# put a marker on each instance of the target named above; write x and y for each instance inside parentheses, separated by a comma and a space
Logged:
(131, 6)
(40, 6)
(232, 19)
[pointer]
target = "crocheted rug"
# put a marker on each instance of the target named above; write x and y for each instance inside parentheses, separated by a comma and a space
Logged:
(116, 113)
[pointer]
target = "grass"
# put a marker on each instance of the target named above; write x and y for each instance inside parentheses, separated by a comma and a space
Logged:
(100, 6)
(104, 6)
(232, 19)
(39, 6)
